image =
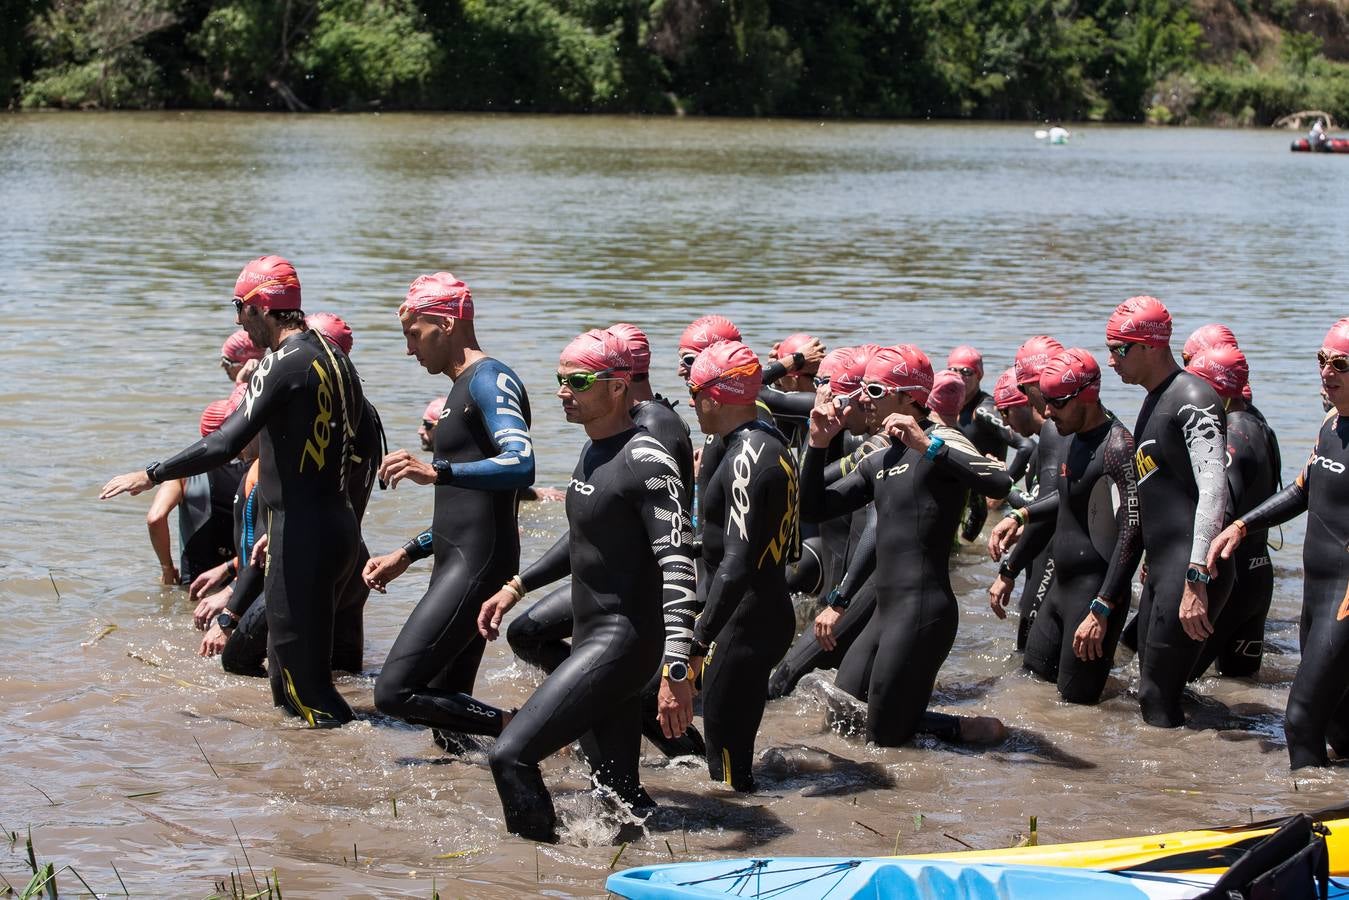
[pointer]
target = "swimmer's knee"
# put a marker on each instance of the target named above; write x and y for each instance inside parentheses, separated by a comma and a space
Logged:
(522, 632)
(390, 696)
(1159, 710)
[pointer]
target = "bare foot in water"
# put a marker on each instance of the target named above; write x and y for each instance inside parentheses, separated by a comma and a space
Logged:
(982, 730)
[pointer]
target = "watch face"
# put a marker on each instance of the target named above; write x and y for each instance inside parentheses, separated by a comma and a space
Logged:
(225, 621)
(678, 671)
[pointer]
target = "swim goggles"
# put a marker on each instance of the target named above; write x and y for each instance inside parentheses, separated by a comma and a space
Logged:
(875, 390)
(1119, 351)
(1061, 402)
(688, 359)
(580, 382)
(1337, 361)
(965, 371)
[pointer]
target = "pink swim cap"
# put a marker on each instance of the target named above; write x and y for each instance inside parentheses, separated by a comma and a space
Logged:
(834, 361)
(1337, 338)
(794, 343)
(705, 332)
(1212, 335)
(433, 410)
(1067, 372)
(239, 348)
(440, 294)
(967, 357)
(638, 346)
(728, 372)
(1006, 392)
(332, 327)
(1140, 320)
(947, 394)
(216, 412)
(1032, 356)
(269, 282)
(848, 379)
(905, 367)
(599, 350)
(1223, 367)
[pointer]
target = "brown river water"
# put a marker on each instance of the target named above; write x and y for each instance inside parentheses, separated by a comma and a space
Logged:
(121, 235)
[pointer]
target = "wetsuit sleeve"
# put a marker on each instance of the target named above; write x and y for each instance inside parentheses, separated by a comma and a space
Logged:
(791, 404)
(499, 399)
(249, 582)
(820, 501)
(1206, 443)
(773, 371)
(1023, 447)
(266, 391)
(846, 463)
(745, 532)
(1038, 533)
(667, 528)
(1117, 586)
(862, 563)
(1288, 503)
(554, 565)
(977, 472)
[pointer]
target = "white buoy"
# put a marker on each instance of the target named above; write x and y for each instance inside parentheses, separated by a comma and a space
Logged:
(1058, 135)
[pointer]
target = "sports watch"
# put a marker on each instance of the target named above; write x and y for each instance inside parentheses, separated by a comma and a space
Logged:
(226, 621)
(1194, 576)
(676, 671)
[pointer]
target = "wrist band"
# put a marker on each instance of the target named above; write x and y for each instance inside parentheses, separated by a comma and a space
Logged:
(515, 587)
(443, 471)
(419, 547)
(1241, 525)
(935, 445)
(1100, 608)
(836, 600)
(1020, 515)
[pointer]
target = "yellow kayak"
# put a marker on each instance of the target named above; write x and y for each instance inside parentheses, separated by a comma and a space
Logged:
(1203, 851)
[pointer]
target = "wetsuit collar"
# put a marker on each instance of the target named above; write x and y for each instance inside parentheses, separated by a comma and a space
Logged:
(756, 425)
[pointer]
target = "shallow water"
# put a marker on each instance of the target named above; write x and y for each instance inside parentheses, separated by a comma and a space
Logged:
(119, 242)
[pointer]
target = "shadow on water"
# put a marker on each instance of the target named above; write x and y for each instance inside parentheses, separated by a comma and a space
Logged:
(953, 693)
(818, 773)
(747, 824)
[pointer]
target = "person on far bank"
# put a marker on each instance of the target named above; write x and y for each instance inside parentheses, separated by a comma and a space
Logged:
(306, 401)
(1180, 460)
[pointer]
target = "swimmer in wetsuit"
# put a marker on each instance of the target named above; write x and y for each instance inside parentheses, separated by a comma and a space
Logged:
(1253, 467)
(980, 423)
(235, 353)
(483, 458)
(428, 424)
(1095, 549)
(539, 634)
(1031, 358)
(633, 596)
(1318, 703)
(748, 511)
(306, 401)
(1017, 413)
(1180, 443)
(918, 485)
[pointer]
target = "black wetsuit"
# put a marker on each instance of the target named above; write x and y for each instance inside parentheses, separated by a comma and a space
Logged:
(205, 520)
(894, 663)
(1040, 569)
(1179, 458)
(1086, 565)
(539, 634)
(980, 423)
(305, 398)
(633, 597)
(750, 532)
(483, 435)
(1253, 467)
(1318, 703)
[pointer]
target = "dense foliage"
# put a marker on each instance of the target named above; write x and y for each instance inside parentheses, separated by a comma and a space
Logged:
(1037, 59)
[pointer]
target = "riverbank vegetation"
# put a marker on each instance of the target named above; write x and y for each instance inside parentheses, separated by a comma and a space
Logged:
(1165, 61)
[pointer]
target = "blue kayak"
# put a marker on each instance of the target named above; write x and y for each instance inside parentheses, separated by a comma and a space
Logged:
(788, 878)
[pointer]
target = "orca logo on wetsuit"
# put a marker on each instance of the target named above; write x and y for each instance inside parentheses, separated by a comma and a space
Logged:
(1327, 463)
(892, 472)
(748, 455)
(582, 488)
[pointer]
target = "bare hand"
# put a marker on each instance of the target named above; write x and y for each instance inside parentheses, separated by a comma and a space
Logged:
(674, 707)
(168, 575)
(380, 570)
(213, 644)
(210, 607)
(246, 371)
(546, 494)
(907, 430)
(812, 352)
(493, 611)
(697, 460)
(209, 582)
(824, 627)
(132, 483)
(258, 558)
(1006, 533)
(1089, 639)
(1194, 611)
(825, 422)
(401, 464)
(1223, 545)
(999, 595)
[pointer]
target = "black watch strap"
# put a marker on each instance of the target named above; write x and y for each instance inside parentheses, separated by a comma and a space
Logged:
(152, 472)
(443, 472)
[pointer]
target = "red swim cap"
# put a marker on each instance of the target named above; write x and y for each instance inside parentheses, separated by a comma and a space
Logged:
(705, 332)
(332, 327)
(794, 343)
(1224, 367)
(638, 346)
(728, 372)
(947, 394)
(433, 410)
(1067, 372)
(239, 348)
(1140, 320)
(968, 357)
(1032, 356)
(598, 350)
(1006, 392)
(903, 366)
(1206, 336)
(441, 295)
(834, 362)
(1337, 338)
(269, 282)
(1246, 392)
(847, 379)
(217, 411)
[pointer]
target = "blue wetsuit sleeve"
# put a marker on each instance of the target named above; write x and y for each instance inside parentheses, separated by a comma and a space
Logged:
(821, 501)
(1116, 587)
(656, 477)
(554, 565)
(497, 394)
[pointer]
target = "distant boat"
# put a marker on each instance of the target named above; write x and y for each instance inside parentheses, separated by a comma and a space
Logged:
(1055, 135)
(1331, 145)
